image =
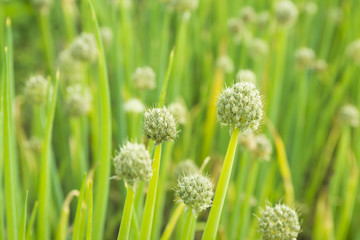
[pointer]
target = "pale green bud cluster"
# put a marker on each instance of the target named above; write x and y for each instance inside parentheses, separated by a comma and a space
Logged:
(310, 8)
(186, 168)
(258, 48)
(144, 78)
(335, 15)
(286, 13)
(240, 106)
(278, 223)
(320, 66)
(107, 36)
(248, 14)
(305, 58)
(184, 5)
(238, 29)
(84, 48)
(36, 89)
(353, 51)
(259, 145)
(69, 67)
(263, 19)
(245, 75)
(78, 100)
(179, 111)
(225, 63)
(196, 192)
(134, 106)
(160, 125)
(349, 115)
(133, 164)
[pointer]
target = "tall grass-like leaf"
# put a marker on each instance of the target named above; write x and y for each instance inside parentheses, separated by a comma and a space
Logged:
(23, 219)
(29, 229)
(90, 211)
(9, 161)
(43, 229)
(103, 163)
(79, 210)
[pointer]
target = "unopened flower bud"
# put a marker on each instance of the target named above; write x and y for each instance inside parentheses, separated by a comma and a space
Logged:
(160, 125)
(69, 67)
(84, 48)
(279, 222)
(78, 100)
(226, 64)
(196, 192)
(258, 48)
(106, 36)
(133, 164)
(353, 51)
(144, 78)
(134, 106)
(320, 66)
(240, 106)
(179, 111)
(286, 13)
(305, 58)
(263, 19)
(36, 89)
(245, 75)
(349, 115)
(248, 14)
(186, 168)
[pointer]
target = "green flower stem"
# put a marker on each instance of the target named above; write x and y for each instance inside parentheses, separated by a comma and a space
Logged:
(151, 197)
(221, 189)
(171, 225)
(126, 217)
(190, 220)
(47, 40)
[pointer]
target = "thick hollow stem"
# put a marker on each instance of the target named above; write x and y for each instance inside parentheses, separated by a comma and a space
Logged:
(221, 189)
(126, 217)
(151, 196)
(188, 225)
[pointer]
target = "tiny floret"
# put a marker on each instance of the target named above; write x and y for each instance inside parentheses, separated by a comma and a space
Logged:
(240, 106)
(353, 51)
(278, 223)
(196, 192)
(36, 89)
(144, 78)
(133, 164)
(160, 125)
(286, 13)
(186, 168)
(78, 100)
(84, 47)
(245, 75)
(305, 58)
(349, 115)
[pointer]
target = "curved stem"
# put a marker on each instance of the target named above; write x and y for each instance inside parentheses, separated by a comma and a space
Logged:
(126, 217)
(221, 189)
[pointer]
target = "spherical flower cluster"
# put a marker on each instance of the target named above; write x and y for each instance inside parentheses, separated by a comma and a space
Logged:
(184, 5)
(258, 48)
(134, 106)
(78, 100)
(106, 36)
(286, 13)
(245, 75)
(160, 125)
(144, 78)
(320, 66)
(238, 29)
(279, 222)
(240, 106)
(263, 19)
(353, 51)
(84, 48)
(69, 67)
(248, 14)
(349, 114)
(133, 164)
(179, 111)
(305, 58)
(186, 168)
(36, 89)
(196, 192)
(225, 63)
(259, 145)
